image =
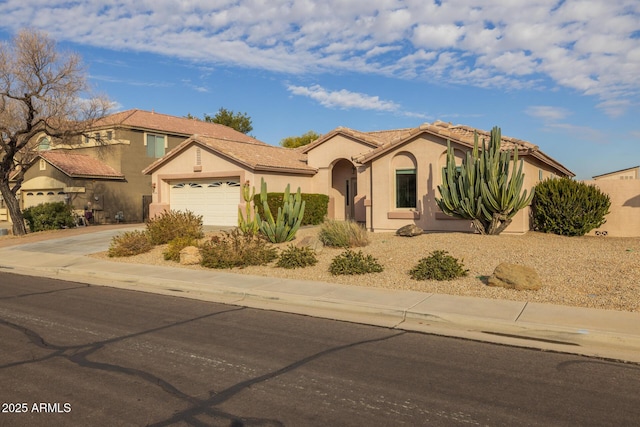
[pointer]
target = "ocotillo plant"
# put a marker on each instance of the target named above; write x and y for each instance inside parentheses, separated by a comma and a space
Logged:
(481, 190)
(287, 223)
(245, 223)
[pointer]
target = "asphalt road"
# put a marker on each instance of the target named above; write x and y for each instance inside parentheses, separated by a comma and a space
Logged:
(73, 354)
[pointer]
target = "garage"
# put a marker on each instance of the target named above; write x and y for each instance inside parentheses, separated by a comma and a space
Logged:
(216, 200)
(36, 197)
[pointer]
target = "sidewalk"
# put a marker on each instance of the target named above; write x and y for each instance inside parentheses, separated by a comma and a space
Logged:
(591, 332)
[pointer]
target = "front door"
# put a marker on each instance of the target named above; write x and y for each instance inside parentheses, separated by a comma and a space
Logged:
(351, 189)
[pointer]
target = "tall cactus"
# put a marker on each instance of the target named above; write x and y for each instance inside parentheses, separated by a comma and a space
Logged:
(481, 190)
(287, 223)
(245, 223)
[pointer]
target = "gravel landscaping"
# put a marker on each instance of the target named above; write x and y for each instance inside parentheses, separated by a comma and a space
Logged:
(596, 272)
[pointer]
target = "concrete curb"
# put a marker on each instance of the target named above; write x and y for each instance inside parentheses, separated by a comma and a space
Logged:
(604, 344)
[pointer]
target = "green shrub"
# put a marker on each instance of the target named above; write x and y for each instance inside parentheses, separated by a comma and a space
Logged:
(129, 243)
(438, 266)
(49, 216)
(172, 253)
(567, 207)
(350, 262)
(295, 257)
(171, 224)
(315, 210)
(343, 234)
(236, 249)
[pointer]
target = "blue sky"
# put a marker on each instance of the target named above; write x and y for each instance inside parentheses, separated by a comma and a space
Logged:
(562, 74)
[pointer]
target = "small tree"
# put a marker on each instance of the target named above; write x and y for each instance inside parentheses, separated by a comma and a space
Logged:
(568, 207)
(299, 141)
(40, 90)
(238, 121)
(481, 190)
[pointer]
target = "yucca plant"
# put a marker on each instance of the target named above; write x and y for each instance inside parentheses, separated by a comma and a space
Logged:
(483, 189)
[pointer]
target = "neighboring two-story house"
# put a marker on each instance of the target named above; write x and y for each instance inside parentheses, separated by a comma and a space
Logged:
(102, 172)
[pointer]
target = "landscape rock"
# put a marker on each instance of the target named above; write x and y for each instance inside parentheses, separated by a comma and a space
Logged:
(311, 242)
(513, 276)
(409, 230)
(190, 256)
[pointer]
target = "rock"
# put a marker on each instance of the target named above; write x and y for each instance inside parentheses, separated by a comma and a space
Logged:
(409, 230)
(513, 276)
(190, 256)
(311, 242)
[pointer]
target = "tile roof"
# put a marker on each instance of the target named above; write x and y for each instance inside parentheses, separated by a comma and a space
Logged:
(256, 157)
(79, 165)
(171, 124)
(387, 140)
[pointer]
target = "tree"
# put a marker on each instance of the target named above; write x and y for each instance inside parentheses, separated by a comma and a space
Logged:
(238, 121)
(40, 94)
(299, 141)
(481, 189)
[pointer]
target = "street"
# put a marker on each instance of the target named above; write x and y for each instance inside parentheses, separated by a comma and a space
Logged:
(74, 354)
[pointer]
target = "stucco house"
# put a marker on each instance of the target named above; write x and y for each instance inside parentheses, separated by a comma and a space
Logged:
(101, 170)
(623, 189)
(383, 179)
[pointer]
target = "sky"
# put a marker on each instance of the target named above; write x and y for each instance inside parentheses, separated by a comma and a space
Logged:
(562, 74)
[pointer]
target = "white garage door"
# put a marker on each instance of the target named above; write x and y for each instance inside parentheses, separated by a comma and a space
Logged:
(216, 200)
(36, 197)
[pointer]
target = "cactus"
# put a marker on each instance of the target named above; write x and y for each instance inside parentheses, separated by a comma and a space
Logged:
(245, 223)
(285, 226)
(481, 190)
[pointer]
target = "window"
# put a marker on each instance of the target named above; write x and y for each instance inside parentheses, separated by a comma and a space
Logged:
(109, 135)
(42, 164)
(155, 145)
(540, 174)
(406, 189)
(44, 143)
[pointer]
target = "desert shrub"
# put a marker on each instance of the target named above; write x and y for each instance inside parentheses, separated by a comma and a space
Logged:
(49, 216)
(567, 207)
(296, 257)
(343, 234)
(350, 262)
(129, 243)
(172, 253)
(438, 266)
(171, 224)
(236, 249)
(315, 210)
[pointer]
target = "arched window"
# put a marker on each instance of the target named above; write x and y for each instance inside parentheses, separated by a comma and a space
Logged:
(406, 182)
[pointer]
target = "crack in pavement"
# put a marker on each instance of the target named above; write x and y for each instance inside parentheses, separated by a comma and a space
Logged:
(78, 355)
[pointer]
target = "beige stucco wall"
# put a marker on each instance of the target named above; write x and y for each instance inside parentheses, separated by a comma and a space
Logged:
(623, 219)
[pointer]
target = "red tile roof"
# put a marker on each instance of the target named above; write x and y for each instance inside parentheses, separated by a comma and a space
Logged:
(141, 119)
(79, 165)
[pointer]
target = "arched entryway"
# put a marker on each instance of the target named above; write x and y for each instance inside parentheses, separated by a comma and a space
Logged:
(344, 188)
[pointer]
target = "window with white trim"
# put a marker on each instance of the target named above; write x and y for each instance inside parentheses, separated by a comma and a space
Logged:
(155, 145)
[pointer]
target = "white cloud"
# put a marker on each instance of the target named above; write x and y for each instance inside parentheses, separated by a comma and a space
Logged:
(590, 46)
(343, 98)
(547, 113)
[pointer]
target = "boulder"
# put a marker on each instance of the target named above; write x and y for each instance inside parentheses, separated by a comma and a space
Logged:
(409, 230)
(513, 276)
(190, 256)
(311, 242)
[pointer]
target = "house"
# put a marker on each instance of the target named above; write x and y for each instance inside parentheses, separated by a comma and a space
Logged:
(629, 173)
(101, 170)
(383, 179)
(623, 189)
